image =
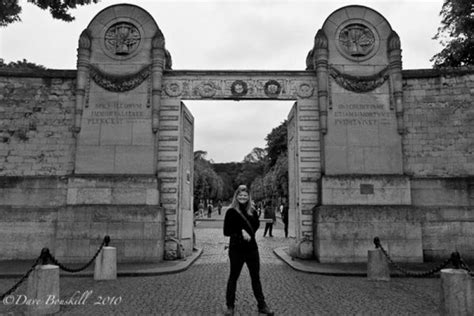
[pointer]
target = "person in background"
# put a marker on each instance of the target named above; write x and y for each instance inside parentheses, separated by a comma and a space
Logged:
(269, 213)
(219, 207)
(209, 210)
(284, 217)
(240, 223)
(201, 208)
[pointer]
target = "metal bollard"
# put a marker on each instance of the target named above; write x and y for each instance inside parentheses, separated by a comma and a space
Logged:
(106, 264)
(456, 293)
(43, 290)
(377, 266)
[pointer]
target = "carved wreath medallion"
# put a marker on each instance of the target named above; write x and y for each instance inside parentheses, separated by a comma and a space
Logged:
(206, 90)
(272, 88)
(174, 88)
(304, 90)
(239, 88)
(357, 40)
(122, 39)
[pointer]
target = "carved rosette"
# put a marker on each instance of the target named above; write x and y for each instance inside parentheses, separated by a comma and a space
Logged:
(272, 88)
(359, 84)
(174, 88)
(122, 39)
(304, 90)
(117, 83)
(357, 40)
(206, 89)
(239, 88)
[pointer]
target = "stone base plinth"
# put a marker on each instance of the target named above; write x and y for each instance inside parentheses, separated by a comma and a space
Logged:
(346, 233)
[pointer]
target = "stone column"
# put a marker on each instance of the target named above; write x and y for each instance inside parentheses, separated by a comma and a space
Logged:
(43, 289)
(456, 293)
(321, 54)
(395, 71)
(83, 60)
(157, 66)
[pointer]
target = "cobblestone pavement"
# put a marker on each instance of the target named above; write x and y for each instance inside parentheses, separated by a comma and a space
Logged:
(200, 290)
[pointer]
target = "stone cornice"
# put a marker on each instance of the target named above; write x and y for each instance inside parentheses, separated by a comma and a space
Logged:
(71, 73)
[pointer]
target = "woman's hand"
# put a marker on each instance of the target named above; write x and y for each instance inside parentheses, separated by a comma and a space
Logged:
(245, 235)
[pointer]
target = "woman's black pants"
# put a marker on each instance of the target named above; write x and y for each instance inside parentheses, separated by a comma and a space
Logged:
(237, 260)
(268, 228)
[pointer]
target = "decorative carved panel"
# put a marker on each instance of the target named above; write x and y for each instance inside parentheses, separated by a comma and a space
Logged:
(230, 86)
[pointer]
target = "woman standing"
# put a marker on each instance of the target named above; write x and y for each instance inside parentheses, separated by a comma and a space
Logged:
(240, 223)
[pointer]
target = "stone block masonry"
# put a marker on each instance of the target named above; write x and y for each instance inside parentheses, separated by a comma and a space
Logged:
(71, 216)
(36, 118)
(439, 123)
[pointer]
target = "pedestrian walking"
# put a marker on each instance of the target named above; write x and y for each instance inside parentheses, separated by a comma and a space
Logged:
(201, 209)
(240, 223)
(284, 218)
(209, 210)
(219, 207)
(269, 213)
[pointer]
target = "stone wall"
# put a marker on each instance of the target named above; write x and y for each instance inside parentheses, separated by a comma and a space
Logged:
(439, 123)
(345, 232)
(36, 118)
(38, 188)
(72, 215)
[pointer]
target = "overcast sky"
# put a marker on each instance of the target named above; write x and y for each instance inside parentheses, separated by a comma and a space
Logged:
(226, 34)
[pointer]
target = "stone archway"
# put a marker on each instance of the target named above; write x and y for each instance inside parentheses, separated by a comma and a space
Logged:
(300, 86)
(130, 108)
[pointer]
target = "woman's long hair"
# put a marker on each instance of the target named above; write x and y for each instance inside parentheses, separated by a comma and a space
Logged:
(235, 204)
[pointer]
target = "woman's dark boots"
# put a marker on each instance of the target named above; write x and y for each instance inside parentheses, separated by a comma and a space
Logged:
(265, 310)
(229, 311)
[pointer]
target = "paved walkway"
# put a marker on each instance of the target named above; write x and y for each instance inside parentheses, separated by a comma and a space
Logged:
(200, 289)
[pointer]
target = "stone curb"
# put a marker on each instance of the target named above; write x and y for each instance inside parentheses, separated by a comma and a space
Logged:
(171, 267)
(338, 269)
(311, 266)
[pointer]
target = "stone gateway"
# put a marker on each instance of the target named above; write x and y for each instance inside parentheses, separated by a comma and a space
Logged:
(374, 150)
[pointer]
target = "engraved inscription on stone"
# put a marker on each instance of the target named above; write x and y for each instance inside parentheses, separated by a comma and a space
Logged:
(360, 114)
(122, 39)
(357, 40)
(116, 113)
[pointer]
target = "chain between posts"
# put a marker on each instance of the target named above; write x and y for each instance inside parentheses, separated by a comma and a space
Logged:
(455, 260)
(23, 278)
(105, 243)
(45, 258)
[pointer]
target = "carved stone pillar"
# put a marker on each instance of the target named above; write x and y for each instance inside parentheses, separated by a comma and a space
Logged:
(83, 60)
(395, 71)
(321, 65)
(158, 64)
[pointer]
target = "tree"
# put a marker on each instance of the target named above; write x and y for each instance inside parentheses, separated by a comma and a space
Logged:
(256, 155)
(21, 64)
(456, 34)
(10, 9)
(207, 184)
(273, 184)
(276, 143)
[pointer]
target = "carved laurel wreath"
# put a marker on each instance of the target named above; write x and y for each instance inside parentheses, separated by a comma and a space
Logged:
(359, 84)
(117, 83)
